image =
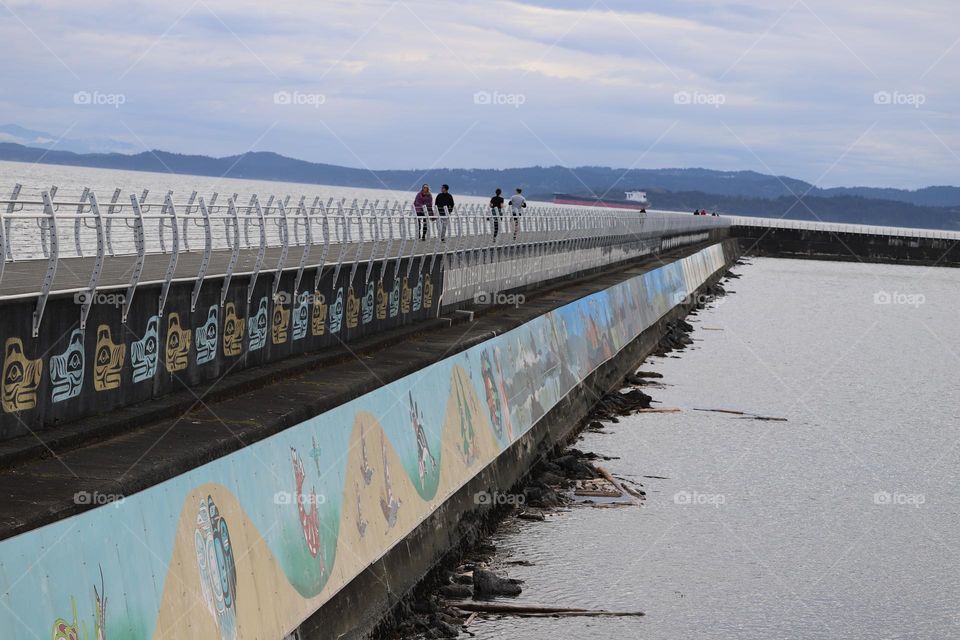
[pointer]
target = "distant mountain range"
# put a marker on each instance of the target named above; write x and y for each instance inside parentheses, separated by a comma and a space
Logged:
(734, 192)
(31, 138)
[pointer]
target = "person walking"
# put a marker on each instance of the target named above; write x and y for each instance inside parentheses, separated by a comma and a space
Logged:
(444, 207)
(517, 204)
(423, 205)
(496, 211)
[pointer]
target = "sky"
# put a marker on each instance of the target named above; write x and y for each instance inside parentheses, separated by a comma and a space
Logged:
(835, 93)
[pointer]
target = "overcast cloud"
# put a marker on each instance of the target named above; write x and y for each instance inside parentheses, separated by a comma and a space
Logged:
(836, 93)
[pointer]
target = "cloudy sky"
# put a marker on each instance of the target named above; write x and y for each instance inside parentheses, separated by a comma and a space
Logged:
(836, 93)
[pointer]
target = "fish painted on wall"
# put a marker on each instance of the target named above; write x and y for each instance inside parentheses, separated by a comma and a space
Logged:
(233, 327)
(336, 312)
(309, 520)
(177, 352)
(66, 369)
(217, 567)
(423, 447)
(318, 320)
(257, 326)
(301, 316)
(389, 503)
(206, 336)
(108, 360)
(361, 521)
(365, 469)
(145, 352)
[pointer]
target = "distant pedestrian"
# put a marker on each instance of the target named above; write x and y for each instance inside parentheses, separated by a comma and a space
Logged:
(423, 204)
(444, 207)
(517, 204)
(696, 212)
(496, 211)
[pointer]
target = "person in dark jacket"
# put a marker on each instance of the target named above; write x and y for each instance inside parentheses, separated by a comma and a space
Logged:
(496, 211)
(444, 206)
(423, 205)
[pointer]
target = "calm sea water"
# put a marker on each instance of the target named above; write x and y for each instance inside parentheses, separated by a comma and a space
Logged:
(843, 522)
(72, 180)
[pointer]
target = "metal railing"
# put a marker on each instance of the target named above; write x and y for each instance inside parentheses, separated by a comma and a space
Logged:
(838, 227)
(180, 238)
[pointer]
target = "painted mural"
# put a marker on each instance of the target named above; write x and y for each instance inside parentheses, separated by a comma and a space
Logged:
(250, 545)
(82, 372)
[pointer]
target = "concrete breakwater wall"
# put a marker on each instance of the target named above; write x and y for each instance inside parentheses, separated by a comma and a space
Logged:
(205, 332)
(253, 544)
(865, 246)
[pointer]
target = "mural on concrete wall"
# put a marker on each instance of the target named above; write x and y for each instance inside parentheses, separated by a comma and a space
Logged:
(185, 346)
(249, 545)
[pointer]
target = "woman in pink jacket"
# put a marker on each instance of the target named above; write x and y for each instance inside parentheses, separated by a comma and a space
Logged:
(423, 205)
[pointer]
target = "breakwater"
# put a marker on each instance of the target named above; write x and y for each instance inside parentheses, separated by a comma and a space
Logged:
(253, 544)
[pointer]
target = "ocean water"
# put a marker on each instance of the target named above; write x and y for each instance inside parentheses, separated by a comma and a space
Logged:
(842, 522)
(72, 180)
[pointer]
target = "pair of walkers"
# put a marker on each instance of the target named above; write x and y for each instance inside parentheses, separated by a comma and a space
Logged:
(517, 204)
(423, 204)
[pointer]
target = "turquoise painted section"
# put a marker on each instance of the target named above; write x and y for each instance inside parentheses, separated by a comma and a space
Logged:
(124, 551)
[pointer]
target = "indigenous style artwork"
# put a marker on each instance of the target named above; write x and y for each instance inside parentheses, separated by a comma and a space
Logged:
(66, 369)
(145, 352)
(301, 513)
